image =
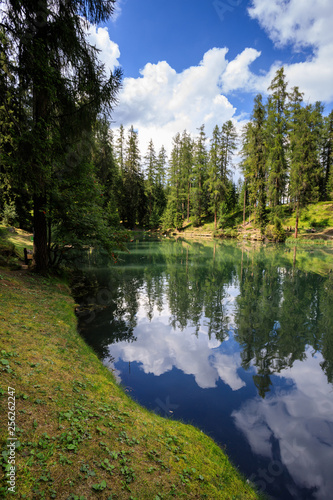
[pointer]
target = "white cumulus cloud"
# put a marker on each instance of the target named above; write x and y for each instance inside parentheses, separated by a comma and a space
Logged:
(238, 75)
(109, 52)
(162, 102)
(306, 24)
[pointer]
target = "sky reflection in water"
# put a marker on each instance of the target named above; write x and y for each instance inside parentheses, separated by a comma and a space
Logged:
(231, 361)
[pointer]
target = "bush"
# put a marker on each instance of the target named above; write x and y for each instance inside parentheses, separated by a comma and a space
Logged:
(9, 213)
(8, 255)
(275, 232)
(178, 221)
(196, 221)
(167, 219)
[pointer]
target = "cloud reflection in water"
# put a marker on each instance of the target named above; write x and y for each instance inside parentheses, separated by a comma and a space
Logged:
(159, 348)
(305, 440)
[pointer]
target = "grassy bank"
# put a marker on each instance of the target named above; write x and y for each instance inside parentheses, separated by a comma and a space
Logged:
(316, 223)
(79, 435)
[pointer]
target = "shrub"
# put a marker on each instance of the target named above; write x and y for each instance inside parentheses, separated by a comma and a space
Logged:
(9, 213)
(275, 232)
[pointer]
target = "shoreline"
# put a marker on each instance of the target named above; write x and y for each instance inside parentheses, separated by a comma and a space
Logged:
(78, 431)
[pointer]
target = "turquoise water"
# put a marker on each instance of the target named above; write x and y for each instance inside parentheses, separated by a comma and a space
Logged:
(237, 340)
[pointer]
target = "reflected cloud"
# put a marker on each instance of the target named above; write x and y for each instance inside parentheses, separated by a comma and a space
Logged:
(159, 348)
(305, 440)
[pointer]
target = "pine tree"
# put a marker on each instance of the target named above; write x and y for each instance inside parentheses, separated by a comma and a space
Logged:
(134, 209)
(106, 169)
(151, 166)
(327, 155)
(59, 71)
(173, 216)
(304, 156)
(229, 146)
(277, 126)
(160, 188)
(200, 165)
(120, 148)
(186, 162)
(214, 182)
(162, 161)
(248, 165)
(259, 159)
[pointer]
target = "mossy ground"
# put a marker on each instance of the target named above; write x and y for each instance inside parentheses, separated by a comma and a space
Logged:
(79, 435)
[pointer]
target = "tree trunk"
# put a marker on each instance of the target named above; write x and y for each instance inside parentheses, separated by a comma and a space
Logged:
(244, 207)
(297, 216)
(215, 219)
(200, 200)
(294, 259)
(49, 238)
(188, 202)
(40, 234)
(41, 100)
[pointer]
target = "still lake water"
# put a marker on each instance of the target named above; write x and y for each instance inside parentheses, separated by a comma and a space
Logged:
(234, 339)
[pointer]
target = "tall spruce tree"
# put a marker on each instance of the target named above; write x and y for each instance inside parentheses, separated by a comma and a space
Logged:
(214, 182)
(107, 172)
(327, 156)
(161, 166)
(120, 148)
(229, 146)
(277, 127)
(133, 185)
(151, 166)
(160, 188)
(254, 160)
(65, 86)
(305, 167)
(173, 216)
(186, 162)
(200, 165)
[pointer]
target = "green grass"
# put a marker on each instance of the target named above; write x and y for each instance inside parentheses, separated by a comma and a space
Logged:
(21, 239)
(317, 216)
(79, 435)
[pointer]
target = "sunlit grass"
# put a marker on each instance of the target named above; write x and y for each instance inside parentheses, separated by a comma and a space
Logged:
(79, 433)
(21, 239)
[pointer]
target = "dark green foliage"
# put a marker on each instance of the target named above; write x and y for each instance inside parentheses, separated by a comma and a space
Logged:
(134, 207)
(277, 125)
(9, 213)
(154, 185)
(305, 168)
(327, 158)
(199, 178)
(226, 146)
(254, 160)
(275, 231)
(56, 89)
(107, 172)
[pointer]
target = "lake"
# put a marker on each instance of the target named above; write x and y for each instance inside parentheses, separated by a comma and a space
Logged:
(234, 339)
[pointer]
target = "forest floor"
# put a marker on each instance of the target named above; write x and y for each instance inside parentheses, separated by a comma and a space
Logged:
(77, 434)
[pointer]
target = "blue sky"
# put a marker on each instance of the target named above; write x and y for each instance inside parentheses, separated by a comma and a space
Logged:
(193, 62)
